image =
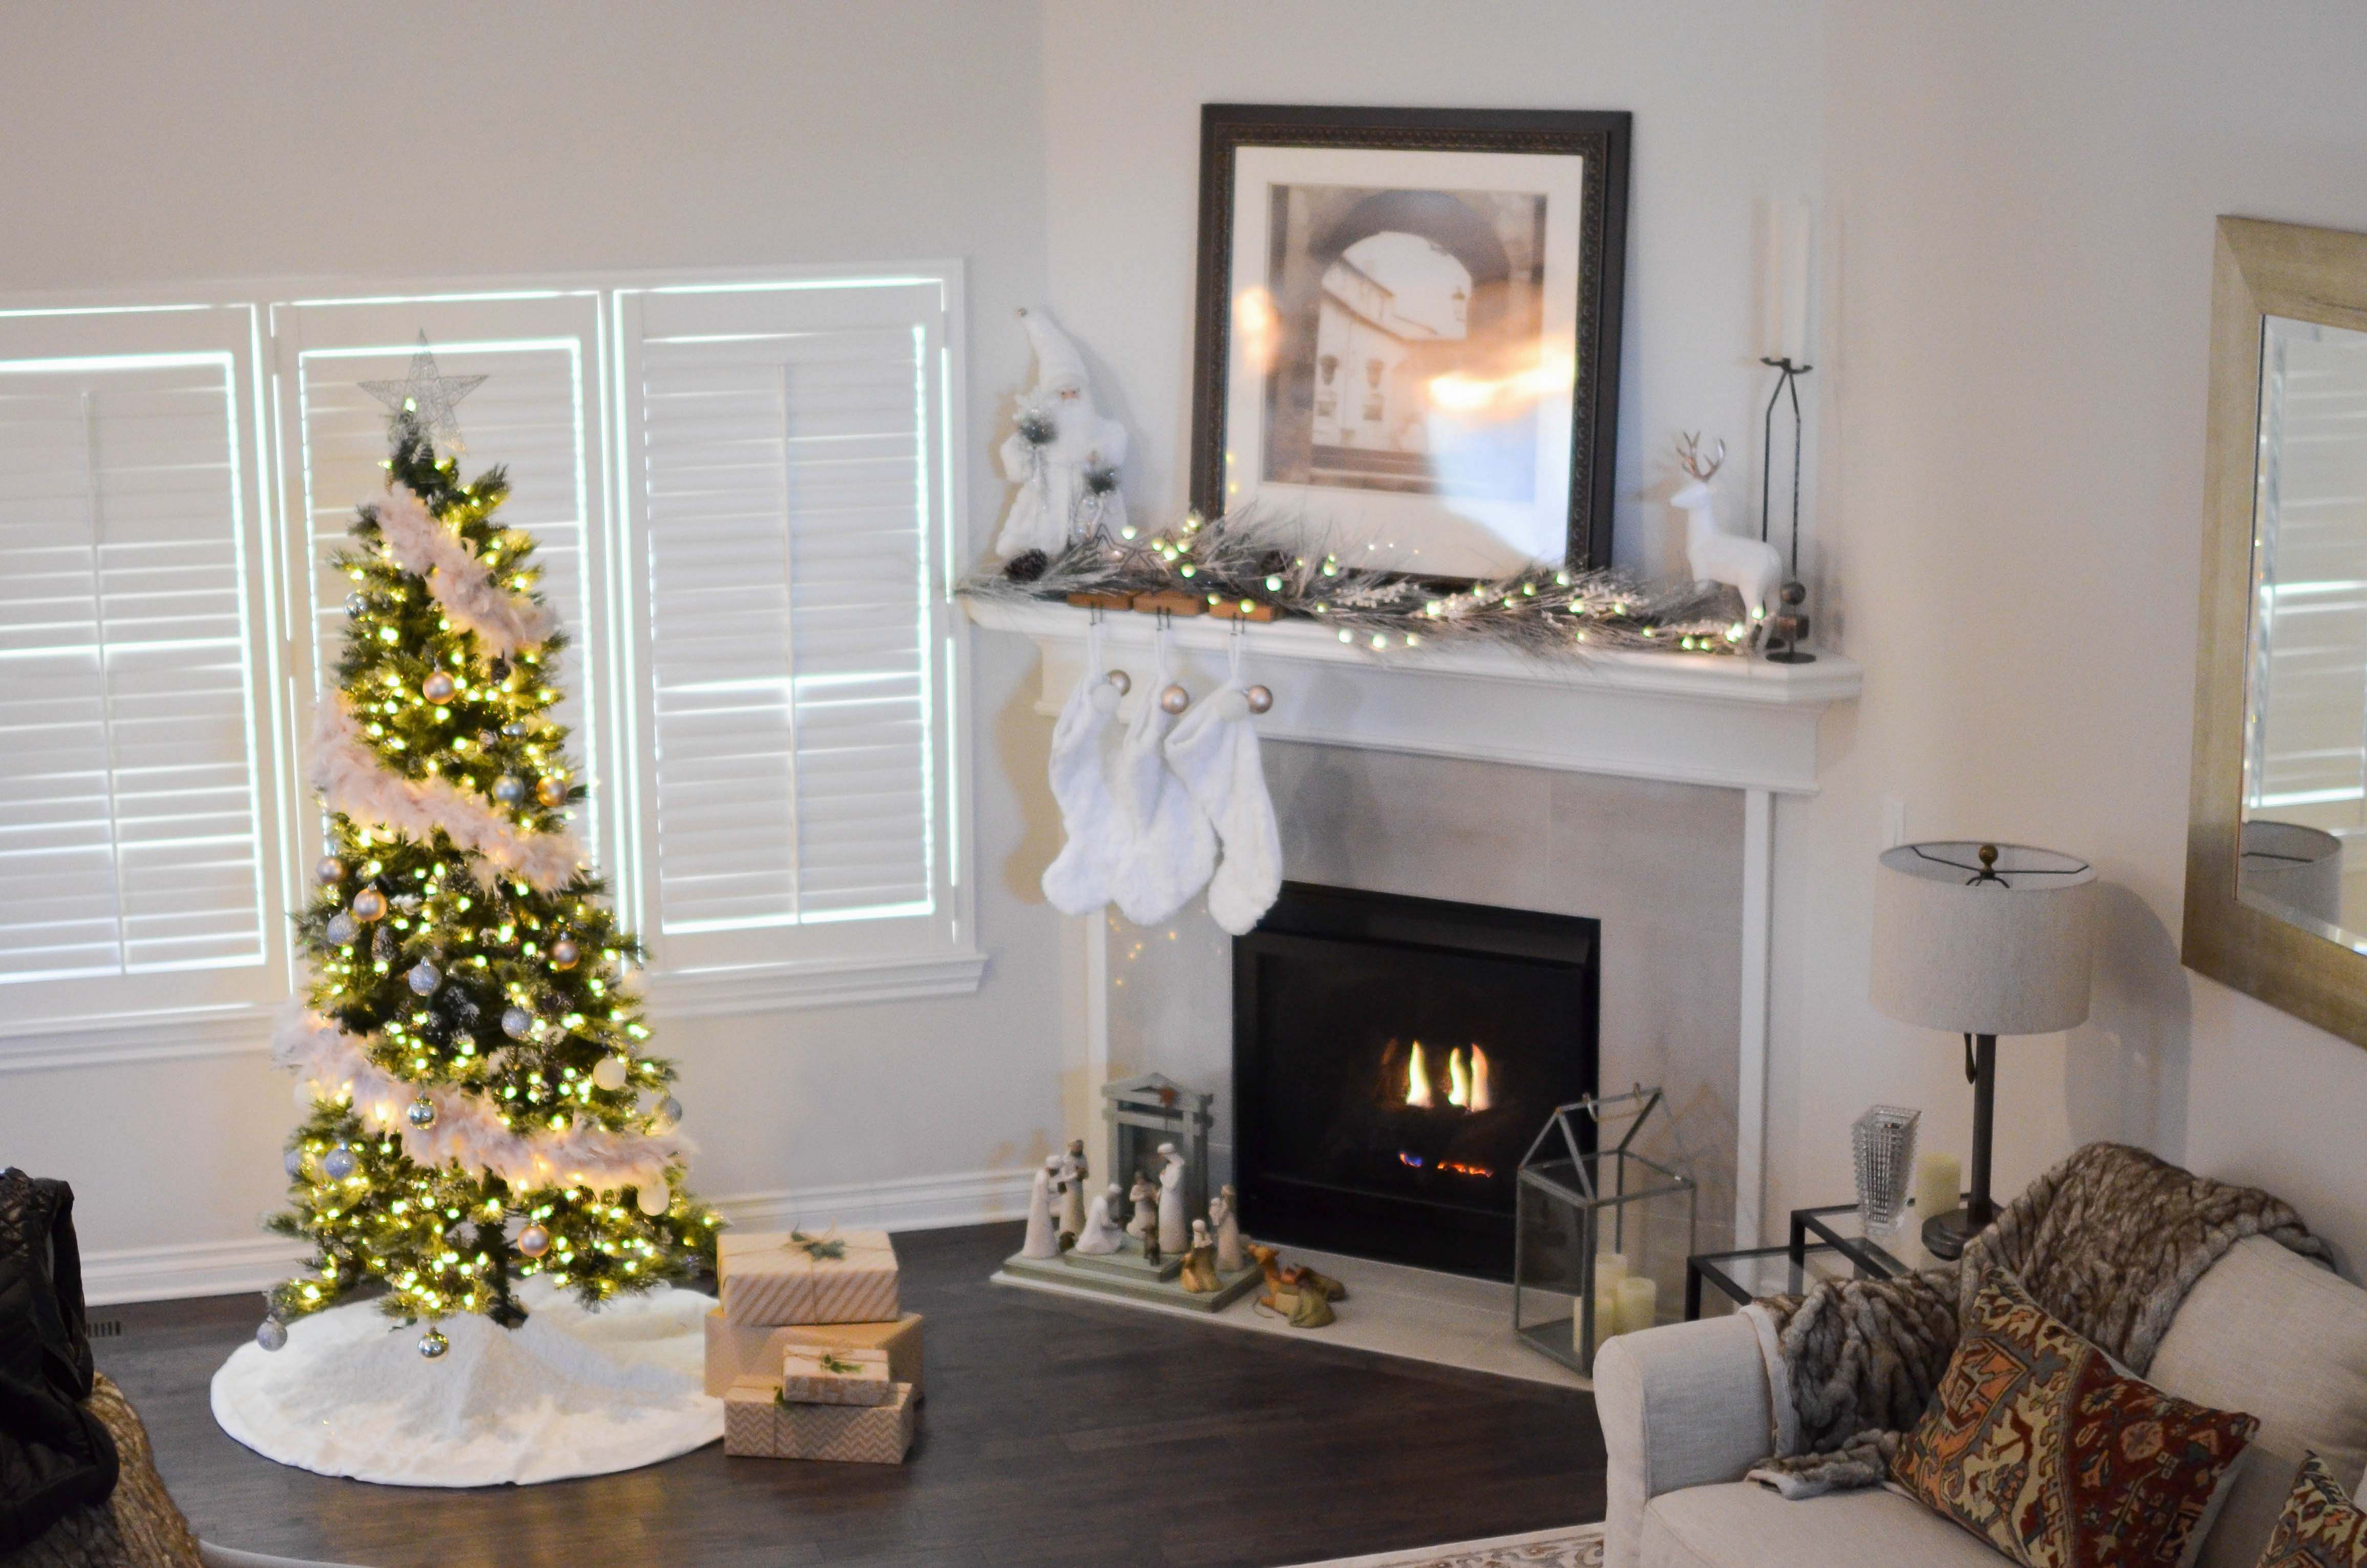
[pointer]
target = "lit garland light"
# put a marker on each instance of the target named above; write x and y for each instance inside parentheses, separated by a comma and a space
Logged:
(1250, 564)
(418, 946)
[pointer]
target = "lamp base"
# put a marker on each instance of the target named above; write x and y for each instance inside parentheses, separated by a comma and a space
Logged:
(1944, 1236)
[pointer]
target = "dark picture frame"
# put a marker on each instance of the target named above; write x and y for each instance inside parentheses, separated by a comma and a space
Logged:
(1598, 139)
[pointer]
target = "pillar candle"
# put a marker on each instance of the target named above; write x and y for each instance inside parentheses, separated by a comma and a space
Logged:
(1939, 1183)
(1607, 1321)
(1610, 1267)
(1639, 1299)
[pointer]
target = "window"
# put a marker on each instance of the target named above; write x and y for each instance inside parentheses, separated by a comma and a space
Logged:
(136, 853)
(742, 490)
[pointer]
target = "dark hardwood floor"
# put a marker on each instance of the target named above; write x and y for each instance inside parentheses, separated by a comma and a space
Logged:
(1060, 1433)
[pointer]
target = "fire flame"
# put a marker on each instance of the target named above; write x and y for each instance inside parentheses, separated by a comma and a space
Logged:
(1417, 1078)
(1458, 1082)
(1482, 1097)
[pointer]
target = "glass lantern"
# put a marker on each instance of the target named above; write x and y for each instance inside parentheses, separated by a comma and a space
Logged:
(1142, 1114)
(1602, 1232)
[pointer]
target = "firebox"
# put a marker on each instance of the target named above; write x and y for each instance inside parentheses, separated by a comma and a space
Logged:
(1392, 1057)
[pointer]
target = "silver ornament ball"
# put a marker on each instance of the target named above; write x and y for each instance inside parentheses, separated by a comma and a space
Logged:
(438, 688)
(565, 954)
(1174, 700)
(431, 1345)
(328, 868)
(512, 730)
(668, 1115)
(517, 1023)
(271, 1334)
(509, 788)
(534, 1241)
(295, 1163)
(342, 929)
(1122, 681)
(421, 1113)
(425, 978)
(338, 1163)
(1259, 699)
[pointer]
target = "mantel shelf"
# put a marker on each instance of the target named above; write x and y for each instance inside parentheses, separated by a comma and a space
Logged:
(1690, 718)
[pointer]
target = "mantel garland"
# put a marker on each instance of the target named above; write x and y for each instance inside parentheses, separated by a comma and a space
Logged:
(1255, 564)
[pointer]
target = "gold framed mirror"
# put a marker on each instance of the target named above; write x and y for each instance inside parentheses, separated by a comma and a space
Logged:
(2276, 903)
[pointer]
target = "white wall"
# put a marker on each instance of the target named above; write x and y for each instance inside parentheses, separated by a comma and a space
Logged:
(2024, 195)
(221, 141)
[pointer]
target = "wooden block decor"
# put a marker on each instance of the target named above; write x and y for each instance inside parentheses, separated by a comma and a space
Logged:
(1240, 609)
(1172, 602)
(1102, 601)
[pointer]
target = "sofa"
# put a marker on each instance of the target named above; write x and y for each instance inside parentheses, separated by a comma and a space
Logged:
(1685, 1413)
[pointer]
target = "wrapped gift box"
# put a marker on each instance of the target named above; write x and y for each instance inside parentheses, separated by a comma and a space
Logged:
(819, 1374)
(734, 1352)
(757, 1423)
(771, 1279)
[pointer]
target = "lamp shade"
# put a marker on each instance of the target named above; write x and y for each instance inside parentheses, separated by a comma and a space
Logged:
(2004, 950)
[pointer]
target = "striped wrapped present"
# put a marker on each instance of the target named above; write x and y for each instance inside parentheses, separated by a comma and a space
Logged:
(820, 1375)
(770, 1278)
(733, 1352)
(758, 1424)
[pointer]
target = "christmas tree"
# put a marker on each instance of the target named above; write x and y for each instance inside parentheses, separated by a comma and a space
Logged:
(481, 1108)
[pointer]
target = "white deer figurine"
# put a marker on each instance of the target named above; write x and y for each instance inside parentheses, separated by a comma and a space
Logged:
(1753, 566)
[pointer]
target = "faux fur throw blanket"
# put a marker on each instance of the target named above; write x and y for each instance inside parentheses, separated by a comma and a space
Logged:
(2108, 1242)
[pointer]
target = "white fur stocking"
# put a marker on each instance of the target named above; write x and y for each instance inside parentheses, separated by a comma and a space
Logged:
(1174, 848)
(1079, 880)
(1215, 752)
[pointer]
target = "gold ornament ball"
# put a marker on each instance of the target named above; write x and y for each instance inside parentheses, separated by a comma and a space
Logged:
(551, 792)
(534, 1241)
(1174, 700)
(438, 688)
(1260, 699)
(369, 904)
(1122, 681)
(565, 954)
(329, 868)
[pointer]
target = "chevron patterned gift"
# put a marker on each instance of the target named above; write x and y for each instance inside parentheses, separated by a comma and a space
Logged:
(757, 1424)
(770, 1278)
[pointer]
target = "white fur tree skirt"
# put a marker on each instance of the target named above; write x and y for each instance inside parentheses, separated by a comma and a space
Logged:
(571, 1392)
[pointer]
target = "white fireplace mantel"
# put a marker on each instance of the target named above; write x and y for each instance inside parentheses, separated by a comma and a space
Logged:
(1737, 723)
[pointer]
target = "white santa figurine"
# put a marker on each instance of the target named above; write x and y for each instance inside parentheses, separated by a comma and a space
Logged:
(1063, 455)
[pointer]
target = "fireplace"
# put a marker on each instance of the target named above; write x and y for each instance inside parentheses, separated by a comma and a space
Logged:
(1392, 1058)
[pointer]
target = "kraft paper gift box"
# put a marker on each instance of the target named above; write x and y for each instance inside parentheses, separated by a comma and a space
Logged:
(769, 1278)
(734, 1352)
(821, 1374)
(758, 1424)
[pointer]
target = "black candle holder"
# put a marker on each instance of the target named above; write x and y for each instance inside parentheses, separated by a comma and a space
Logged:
(1787, 629)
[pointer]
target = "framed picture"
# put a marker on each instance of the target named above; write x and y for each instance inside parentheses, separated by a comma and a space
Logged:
(1409, 329)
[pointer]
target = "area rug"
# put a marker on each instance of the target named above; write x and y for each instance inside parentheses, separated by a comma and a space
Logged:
(1580, 1546)
(569, 1393)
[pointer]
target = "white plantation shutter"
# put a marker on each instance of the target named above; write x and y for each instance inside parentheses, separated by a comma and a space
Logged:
(536, 415)
(788, 447)
(135, 863)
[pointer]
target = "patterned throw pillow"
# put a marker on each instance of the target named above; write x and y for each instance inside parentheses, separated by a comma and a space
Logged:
(2321, 1527)
(2037, 1444)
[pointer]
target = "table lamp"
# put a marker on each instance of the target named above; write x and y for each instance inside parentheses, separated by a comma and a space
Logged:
(1983, 939)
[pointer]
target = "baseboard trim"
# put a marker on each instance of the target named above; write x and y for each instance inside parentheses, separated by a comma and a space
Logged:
(120, 1275)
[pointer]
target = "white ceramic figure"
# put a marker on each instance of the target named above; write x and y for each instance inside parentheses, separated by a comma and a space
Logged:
(1753, 566)
(1228, 1226)
(1175, 1230)
(1143, 1223)
(1100, 1235)
(1043, 1241)
(1072, 1190)
(1061, 497)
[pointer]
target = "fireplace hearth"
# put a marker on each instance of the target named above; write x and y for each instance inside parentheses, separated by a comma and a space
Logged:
(1392, 1057)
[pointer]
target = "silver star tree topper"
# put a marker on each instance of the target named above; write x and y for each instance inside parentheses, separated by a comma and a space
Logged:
(427, 398)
